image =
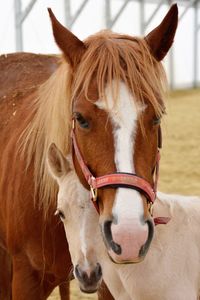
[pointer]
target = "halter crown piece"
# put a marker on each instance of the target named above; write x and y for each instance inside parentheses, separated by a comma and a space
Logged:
(115, 180)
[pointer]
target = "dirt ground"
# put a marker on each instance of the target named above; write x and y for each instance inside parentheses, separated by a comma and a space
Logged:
(180, 156)
(180, 164)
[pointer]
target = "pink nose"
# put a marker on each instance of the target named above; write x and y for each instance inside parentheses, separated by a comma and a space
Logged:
(128, 241)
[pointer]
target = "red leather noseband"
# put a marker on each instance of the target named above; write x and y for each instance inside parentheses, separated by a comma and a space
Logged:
(115, 180)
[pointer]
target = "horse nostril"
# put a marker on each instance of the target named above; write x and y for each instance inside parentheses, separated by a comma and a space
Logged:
(115, 247)
(98, 271)
(81, 275)
(145, 247)
(77, 272)
(107, 235)
(88, 278)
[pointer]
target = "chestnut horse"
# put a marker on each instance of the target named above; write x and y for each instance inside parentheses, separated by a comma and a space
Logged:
(5, 275)
(113, 118)
(33, 248)
(171, 269)
(39, 97)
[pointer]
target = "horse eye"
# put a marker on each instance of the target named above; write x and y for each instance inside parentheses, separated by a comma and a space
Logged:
(156, 121)
(81, 120)
(60, 214)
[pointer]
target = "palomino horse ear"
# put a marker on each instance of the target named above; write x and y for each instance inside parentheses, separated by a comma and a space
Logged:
(161, 38)
(58, 164)
(70, 45)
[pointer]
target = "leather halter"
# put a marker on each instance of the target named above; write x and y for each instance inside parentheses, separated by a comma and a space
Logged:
(120, 179)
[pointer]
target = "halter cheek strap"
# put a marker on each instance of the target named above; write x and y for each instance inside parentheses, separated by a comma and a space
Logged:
(115, 180)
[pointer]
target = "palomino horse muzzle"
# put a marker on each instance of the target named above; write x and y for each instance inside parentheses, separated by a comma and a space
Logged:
(116, 180)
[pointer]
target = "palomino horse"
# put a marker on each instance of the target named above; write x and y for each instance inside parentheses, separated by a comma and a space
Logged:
(39, 97)
(171, 269)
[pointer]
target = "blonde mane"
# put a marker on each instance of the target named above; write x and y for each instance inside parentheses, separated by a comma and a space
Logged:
(108, 56)
(51, 111)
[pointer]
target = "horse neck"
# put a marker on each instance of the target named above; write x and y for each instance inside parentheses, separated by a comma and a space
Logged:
(177, 207)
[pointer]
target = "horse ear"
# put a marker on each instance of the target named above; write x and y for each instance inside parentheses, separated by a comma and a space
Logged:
(70, 45)
(58, 164)
(161, 38)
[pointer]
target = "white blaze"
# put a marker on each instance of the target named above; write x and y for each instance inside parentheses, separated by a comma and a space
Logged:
(124, 116)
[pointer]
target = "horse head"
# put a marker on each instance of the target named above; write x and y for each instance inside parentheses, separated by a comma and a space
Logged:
(117, 105)
(80, 221)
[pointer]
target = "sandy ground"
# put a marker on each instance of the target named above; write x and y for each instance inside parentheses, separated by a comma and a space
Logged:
(76, 294)
(180, 163)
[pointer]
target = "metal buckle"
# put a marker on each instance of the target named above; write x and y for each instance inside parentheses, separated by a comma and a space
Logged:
(150, 208)
(73, 124)
(93, 193)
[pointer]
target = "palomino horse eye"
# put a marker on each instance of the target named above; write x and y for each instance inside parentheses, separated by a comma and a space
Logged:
(156, 121)
(59, 213)
(81, 120)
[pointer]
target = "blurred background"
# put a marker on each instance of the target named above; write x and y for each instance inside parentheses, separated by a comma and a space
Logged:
(25, 26)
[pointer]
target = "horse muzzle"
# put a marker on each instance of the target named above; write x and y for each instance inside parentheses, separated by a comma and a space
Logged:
(129, 241)
(89, 279)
